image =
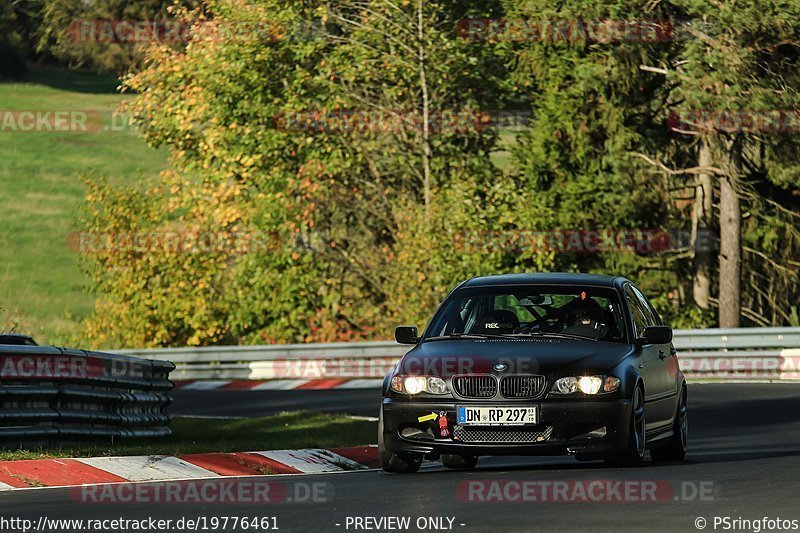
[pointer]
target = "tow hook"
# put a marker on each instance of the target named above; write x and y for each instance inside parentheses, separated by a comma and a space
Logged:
(444, 431)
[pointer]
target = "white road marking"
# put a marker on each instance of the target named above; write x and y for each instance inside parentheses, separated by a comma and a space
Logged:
(313, 460)
(281, 384)
(205, 385)
(361, 384)
(149, 468)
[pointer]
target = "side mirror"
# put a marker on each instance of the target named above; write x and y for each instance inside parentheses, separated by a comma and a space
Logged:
(406, 335)
(655, 335)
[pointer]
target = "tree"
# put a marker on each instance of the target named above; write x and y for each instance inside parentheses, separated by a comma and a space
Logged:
(19, 22)
(212, 103)
(593, 110)
(101, 35)
(742, 62)
(355, 140)
(602, 104)
(702, 215)
(270, 137)
(419, 175)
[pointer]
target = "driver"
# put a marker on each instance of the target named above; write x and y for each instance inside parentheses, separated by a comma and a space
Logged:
(585, 319)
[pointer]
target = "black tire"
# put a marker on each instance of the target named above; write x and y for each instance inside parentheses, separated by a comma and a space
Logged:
(676, 449)
(399, 464)
(459, 462)
(637, 442)
(393, 462)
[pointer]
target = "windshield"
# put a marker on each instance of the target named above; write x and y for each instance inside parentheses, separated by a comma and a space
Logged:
(580, 311)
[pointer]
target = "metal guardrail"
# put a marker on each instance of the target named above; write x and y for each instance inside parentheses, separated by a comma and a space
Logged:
(50, 394)
(740, 338)
(745, 353)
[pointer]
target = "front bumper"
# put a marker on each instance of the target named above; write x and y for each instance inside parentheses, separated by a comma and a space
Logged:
(565, 427)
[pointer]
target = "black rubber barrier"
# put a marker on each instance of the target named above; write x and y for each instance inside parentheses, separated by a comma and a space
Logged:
(50, 395)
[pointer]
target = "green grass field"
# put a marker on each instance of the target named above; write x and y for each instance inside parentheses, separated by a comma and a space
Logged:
(286, 431)
(42, 289)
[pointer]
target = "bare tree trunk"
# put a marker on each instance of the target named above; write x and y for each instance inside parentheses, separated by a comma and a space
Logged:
(426, 125)
(701, 231)
(730, 232)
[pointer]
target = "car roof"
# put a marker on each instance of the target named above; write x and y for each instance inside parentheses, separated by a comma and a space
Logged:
(546, 278)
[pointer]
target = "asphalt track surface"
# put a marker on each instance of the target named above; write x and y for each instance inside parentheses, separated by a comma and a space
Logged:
(744, 453)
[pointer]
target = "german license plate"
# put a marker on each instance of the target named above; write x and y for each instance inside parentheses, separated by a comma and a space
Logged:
(497, 416)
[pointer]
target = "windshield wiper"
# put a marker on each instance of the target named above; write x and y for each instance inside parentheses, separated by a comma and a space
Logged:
(479, 336)
(469, 336)
(558, 335)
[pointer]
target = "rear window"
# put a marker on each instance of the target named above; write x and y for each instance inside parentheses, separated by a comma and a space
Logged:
(583, 311)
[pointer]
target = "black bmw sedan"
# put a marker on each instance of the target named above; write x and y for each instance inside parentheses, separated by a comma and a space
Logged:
(536, 364)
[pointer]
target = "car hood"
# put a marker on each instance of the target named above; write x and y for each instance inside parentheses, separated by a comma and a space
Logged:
(525, 356)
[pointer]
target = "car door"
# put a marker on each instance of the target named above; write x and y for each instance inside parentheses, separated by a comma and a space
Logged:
(672, 372)
(664, 368)
(650, 366)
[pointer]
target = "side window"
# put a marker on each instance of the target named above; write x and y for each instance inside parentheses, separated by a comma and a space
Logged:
(652, 317)
(640, 320)
(659, 322)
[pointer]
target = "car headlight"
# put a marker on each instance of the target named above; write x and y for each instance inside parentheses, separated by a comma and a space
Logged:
(611, 384)
(565, 385)
(415, 384)
(585, 384)
(436, 386)
(590, 384)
